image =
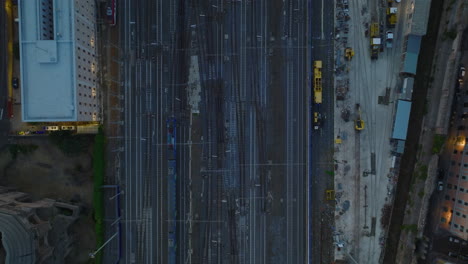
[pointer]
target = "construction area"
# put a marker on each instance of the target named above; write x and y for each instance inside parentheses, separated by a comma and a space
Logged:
(374, 64)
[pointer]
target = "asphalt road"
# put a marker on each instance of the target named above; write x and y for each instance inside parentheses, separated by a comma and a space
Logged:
(4, 122)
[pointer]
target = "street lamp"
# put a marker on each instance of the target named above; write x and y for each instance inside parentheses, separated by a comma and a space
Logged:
(93, 254)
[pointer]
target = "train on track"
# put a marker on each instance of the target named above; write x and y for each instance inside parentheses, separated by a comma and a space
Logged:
(317, 117)
(171, 190)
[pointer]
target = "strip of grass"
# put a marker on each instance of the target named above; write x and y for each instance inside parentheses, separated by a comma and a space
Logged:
(98, 202)
(410, 228)
(437, 144)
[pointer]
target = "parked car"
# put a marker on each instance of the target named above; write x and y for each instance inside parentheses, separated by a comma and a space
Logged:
(109, 12)
(461, 74)
(68, 127)
(15, 83)
(51, 128)
(440, 186)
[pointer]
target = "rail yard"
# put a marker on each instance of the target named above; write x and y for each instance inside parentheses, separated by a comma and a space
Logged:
(262, 131)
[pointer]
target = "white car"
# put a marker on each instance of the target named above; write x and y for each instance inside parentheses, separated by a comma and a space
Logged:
(109, 11)
(440, 186)
(51, 128)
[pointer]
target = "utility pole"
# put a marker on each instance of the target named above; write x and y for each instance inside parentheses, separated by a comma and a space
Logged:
(93, 254)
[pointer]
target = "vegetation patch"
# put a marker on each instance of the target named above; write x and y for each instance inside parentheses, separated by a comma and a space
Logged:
(410, 228)
(98, 200)
(451, 34)
(437, 143)
(421, 172)
(70, 144)
(16, 149)
(421, 194)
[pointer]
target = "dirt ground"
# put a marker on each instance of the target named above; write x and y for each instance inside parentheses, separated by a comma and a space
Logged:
(49, 173)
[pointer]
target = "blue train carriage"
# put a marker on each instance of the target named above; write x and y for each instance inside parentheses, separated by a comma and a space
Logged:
(171, 138)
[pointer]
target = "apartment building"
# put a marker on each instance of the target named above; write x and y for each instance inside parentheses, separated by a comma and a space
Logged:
(58, 57)
(455, 204)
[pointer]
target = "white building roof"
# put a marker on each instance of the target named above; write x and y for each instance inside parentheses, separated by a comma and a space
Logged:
(47, 65)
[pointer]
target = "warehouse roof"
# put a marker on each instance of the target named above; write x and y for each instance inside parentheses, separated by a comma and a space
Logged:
(400, 128)
(420, 17)
(407, 88)
(47, 61)
(412, 52)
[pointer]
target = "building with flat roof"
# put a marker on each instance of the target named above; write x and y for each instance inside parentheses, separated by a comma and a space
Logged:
(58, 57)
(417, 12)
(400, 127)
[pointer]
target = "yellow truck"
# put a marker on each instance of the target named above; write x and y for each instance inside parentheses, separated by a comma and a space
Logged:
(317, 121)
(375, 40)
(391, 16)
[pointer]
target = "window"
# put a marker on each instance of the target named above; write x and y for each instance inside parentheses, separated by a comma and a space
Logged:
(455, 225)
(464, 177)
(462, 189)
(460, 202)
(466, 203)
(464, 216)
(457, 213)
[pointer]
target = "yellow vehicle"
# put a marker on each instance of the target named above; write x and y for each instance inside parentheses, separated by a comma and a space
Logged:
(317, 121)
(318, 82)
(374, 30)
(391, 17)
(375, 40)
(349, 53)
(359, 124)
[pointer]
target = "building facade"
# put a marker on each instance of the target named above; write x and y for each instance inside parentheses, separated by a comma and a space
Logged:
(455, 204)
(58, 57)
